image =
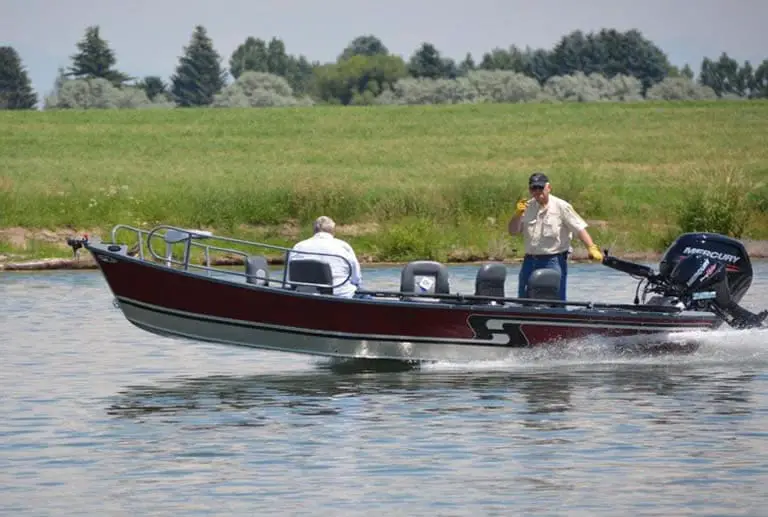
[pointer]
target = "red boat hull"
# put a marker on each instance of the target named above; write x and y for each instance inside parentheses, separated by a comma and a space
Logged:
(177, 303)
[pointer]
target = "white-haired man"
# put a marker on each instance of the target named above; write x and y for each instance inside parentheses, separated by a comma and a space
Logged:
(324, 241)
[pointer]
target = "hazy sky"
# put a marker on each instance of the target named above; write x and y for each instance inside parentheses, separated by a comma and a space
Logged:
(148, 36)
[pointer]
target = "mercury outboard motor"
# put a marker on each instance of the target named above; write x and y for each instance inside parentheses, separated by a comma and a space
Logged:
(699, 271)
(702, 283)
(725, 250)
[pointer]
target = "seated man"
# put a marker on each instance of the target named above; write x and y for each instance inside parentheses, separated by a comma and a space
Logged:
(323, 241)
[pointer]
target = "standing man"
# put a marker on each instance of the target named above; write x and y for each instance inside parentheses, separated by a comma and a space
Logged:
(547, 224)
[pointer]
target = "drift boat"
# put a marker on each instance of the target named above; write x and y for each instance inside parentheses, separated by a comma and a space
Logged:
(701, 279)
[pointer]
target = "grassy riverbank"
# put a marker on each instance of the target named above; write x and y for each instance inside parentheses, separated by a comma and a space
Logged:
(406, 182)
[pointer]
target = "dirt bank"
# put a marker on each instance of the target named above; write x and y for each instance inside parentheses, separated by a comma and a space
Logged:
(27, 241)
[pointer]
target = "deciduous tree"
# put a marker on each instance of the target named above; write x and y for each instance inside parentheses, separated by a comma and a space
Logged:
(250, 55)
(721, 75)
(760, 81)
(366, 45)
(358, 79)
(610, 53)
(153, 86)
(427, 62)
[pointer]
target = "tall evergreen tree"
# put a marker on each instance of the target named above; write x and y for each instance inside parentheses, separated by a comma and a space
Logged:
(15, 88)
(95, 59)
(199, 75)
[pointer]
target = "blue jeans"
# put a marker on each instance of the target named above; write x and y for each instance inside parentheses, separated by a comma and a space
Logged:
(530, 264)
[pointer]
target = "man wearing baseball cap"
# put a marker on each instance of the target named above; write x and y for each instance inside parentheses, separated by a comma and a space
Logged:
(547, 224)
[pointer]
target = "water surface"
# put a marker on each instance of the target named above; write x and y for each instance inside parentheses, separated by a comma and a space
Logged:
(101, 418)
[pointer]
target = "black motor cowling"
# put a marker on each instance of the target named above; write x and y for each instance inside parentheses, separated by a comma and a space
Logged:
(697, 274)
(728, 253)
(703, 282)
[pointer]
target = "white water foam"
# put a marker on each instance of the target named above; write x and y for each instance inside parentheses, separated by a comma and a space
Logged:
(727, 346)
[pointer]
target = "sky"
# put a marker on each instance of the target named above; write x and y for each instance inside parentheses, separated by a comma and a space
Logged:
(148, 36)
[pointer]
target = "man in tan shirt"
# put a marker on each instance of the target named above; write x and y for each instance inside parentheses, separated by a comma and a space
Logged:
(547, 224)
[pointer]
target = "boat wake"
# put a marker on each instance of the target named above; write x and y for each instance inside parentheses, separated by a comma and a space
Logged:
(695, 347)
(728, 346)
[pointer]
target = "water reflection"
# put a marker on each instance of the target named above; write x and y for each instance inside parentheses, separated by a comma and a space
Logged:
(529, 393)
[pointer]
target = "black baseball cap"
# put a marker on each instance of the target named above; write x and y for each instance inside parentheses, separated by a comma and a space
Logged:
(538, 179)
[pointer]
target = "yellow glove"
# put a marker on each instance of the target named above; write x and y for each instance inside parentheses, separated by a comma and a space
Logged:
(521, 206)
(594, 253)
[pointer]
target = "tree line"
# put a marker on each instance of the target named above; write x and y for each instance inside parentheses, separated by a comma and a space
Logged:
(603, 65)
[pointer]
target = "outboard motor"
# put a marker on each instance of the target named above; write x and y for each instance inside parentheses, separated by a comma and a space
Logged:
(703, 283)
(730, 252)
(490, 280)
(699, 271)
(544, 284)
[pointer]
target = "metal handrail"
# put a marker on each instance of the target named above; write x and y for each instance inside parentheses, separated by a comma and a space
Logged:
(149, 235)
(139, 232)
(146, 238)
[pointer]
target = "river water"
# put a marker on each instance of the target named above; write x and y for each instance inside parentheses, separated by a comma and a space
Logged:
(101, 418)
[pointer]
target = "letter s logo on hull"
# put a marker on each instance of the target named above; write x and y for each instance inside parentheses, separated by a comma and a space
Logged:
(498, 331)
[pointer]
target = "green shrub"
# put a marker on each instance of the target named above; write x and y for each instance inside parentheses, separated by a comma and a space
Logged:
(411, 239)
(719, 206)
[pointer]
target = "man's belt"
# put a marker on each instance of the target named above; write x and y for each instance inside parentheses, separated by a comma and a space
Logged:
(549, 256)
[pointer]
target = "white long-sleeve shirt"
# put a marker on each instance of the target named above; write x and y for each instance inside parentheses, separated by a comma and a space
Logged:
(323, 242)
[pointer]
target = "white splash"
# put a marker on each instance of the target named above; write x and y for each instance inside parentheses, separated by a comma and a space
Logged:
(728, 346)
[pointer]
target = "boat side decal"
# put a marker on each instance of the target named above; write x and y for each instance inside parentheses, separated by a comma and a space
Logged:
(498, 331)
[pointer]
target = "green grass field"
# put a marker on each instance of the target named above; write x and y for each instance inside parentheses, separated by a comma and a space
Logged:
(430, 182)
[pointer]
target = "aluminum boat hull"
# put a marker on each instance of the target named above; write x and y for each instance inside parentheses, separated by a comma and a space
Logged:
(177, 303)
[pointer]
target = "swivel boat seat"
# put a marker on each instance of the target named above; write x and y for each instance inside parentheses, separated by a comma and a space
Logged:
(423, 277)
(256, 270)
(490, 280)
(310, 271)
(544, 284)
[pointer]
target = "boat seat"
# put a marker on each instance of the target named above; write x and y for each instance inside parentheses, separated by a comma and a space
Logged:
(173, 236)
(256, 270)
(310, 271)
(490, 280)
(434, 278)
(544, 284)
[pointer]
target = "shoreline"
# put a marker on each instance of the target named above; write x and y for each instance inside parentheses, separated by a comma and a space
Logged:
(757, 250)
